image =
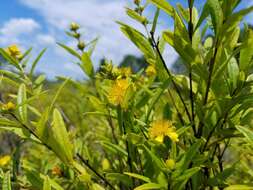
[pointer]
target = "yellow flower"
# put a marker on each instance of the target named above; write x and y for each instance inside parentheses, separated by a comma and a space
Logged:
(118, 91)
(161, 128)
(150, 70)
(173, 136)
(170, 163)
(5, 160)
(8, 106)
(14, 51)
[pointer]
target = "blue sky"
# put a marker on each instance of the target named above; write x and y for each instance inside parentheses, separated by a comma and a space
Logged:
(41, 23)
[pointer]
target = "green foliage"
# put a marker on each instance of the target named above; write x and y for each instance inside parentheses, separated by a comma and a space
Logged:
(138, 126)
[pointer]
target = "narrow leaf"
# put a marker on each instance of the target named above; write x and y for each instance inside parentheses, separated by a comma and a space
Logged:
(36, 61)
(149, 186)
(87, 65)
(21, 99)
(70, 50)
(164, 5)
(6, 184)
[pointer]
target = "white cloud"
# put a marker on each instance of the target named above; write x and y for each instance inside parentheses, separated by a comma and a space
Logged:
(15, 27)
(45, 39)
(97, 18)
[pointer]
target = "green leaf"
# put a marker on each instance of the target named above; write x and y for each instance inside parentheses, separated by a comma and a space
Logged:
(36, 61)
(233, 73)
(180, 41)
(59, 139)
(92, 45)
(149, 186)
(37, 179)
(187, 174)
(118, 177)
(46, 184)
(70, 50)
(234, 19)
(204, 14)
(220, 179)
(9, 81)
(141, 42)
(183, 12)
(157, 13)
(96, 186)
(181, 180)
(21, 99)
(27, 52)
(246, 132)
(34, 178)
(180, 29)
(10, 74)
(141, 177)
(164, 5)
(6, 184)
(23, 133)
(246, 55)
(10, 59)
(156, 97)
(239, 187)
(134, 15)
(39, 80)
(87, 65)
(189, 155)
(41, 125)
(157, 161)
(232, 38)
(6, 122)
(168, 36)
(97, 103)
(58, 94)
(116, 149)
(216, 14)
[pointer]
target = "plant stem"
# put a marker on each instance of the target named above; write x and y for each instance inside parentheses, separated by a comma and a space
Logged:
(209, 80)
(155, 45)
(190, 30)
(178, 113)
(86, 163)
(129, 159)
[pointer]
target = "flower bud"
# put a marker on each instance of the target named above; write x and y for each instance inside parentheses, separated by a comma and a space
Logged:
(170, 163)
(8, 107)
(141, 9)
(81, 46)
(76, 35)
(137, 2)
(105, 164)
(74, 26)
(150, 70)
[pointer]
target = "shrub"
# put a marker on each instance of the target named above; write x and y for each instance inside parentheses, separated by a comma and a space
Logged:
(147, 130)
